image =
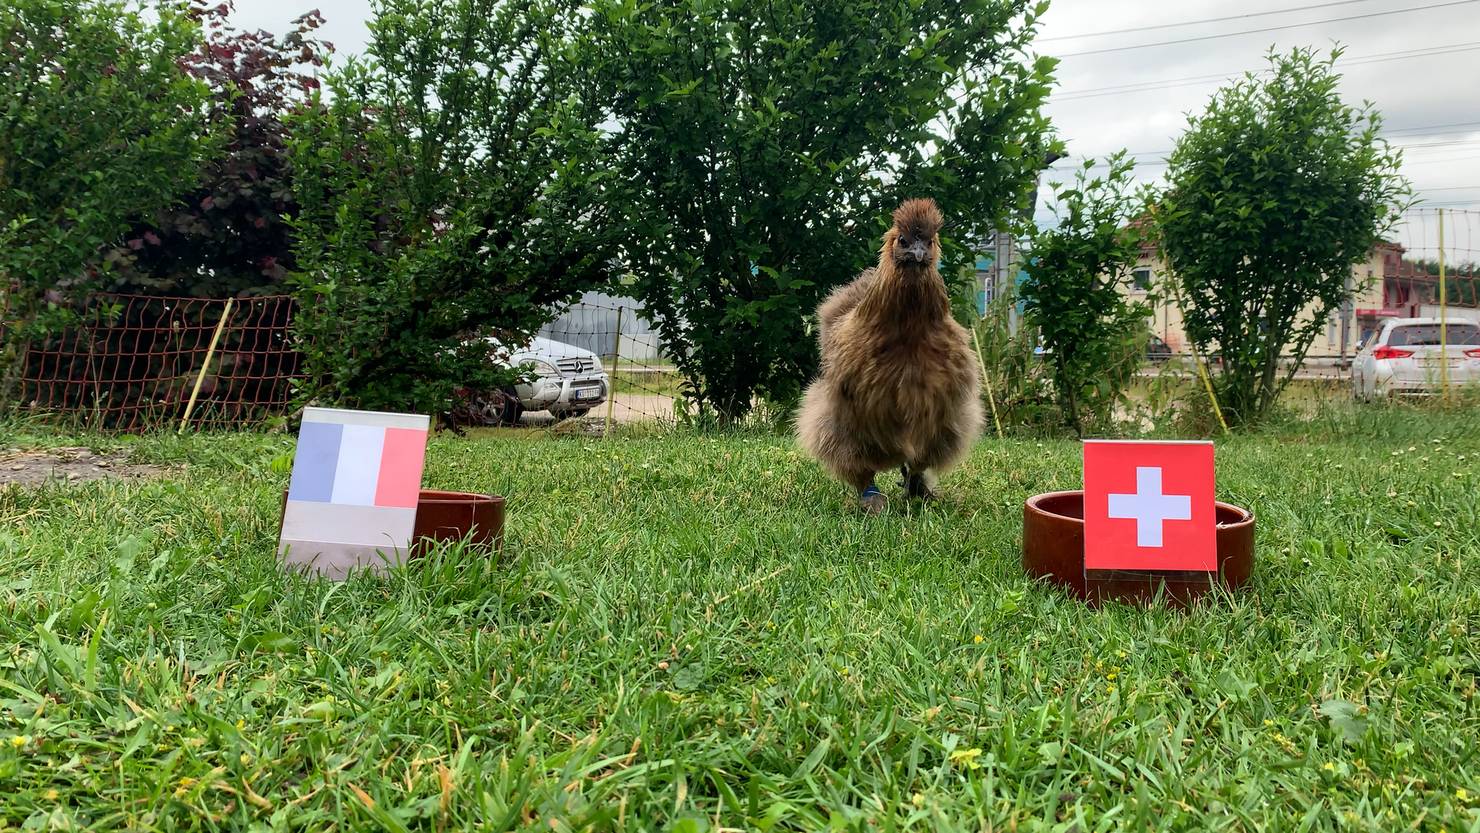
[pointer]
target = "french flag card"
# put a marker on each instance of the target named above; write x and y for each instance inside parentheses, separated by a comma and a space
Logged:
(352, 497)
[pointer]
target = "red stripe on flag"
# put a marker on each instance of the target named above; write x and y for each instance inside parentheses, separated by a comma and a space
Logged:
(401, 461)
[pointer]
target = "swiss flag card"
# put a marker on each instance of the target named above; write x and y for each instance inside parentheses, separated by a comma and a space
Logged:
(1149, 506)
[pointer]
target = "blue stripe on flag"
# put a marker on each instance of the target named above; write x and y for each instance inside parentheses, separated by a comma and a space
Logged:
(315, 461)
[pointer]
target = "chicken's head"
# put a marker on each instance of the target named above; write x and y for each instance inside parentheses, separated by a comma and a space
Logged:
(914, 239)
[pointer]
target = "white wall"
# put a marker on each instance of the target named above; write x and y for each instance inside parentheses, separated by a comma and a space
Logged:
(1453, 313)
(591, 323)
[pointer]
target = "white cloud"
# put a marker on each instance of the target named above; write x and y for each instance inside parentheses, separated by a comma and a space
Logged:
(344, 19)
(1411, 92)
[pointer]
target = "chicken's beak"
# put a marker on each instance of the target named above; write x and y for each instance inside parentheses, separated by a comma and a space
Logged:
(918, 251)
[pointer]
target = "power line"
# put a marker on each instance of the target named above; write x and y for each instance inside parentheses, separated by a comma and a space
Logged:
(1204, 20)
(1415, 128)
(1438, 160)
(1440, 144)
(1161, 163)
(1109, 49)
(1151, 86)
(1432, 127)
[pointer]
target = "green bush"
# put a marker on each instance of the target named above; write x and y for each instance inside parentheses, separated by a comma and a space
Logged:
(451, 191)
(100, 125)
(1274, 192)
(227, 236)
(1076, 292)
(763, 147)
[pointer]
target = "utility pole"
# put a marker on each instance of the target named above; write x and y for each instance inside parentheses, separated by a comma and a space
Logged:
(1006, 254)
(1346, 317)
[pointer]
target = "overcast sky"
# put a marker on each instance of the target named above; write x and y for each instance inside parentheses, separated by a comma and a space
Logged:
(1419, 64)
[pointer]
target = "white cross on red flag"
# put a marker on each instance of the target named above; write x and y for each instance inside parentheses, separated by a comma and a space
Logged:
(1149, 506)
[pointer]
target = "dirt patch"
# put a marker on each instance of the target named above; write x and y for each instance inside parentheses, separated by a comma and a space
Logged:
(68, 465)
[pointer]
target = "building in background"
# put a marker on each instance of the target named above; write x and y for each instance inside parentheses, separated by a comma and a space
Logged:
(592, 324)
(1000, 264)
(1385, 285)
(999, 267)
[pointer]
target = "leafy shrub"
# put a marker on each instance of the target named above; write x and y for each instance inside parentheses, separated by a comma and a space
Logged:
(1274, 192)
(762, 148)
(228, 235)
(451, 191)
(99, 125)
(1076, 294)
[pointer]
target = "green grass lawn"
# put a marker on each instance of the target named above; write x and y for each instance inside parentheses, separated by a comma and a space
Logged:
(689, 632)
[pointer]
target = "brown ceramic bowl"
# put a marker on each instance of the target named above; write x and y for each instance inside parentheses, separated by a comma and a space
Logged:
(1053, 549)
(451, 516)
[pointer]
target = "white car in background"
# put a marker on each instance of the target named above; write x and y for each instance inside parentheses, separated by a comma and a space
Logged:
(1405, 356)
(563, 379)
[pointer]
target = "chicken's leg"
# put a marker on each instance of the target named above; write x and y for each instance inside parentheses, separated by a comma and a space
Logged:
(915, 483)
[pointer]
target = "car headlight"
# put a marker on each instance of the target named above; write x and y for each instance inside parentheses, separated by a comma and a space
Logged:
(543, 369)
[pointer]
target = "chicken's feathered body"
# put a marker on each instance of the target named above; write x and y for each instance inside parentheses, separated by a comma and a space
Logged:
(899, 386)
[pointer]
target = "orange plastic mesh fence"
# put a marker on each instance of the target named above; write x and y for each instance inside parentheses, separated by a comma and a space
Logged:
(131, 363)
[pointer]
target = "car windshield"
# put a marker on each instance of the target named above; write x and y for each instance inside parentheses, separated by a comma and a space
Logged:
(1428, 335)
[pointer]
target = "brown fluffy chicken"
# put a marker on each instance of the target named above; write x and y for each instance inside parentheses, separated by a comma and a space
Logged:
(899, 383)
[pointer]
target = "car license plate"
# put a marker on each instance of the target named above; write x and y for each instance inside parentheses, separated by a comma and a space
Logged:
(588, 393)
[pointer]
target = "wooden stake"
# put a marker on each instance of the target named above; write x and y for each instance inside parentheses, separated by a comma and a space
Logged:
(1196, 359)
(986, 380)
(210, 353)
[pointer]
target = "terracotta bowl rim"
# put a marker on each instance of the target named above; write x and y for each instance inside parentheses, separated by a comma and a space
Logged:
(444, 497)
(1033, 503)
(441, 496)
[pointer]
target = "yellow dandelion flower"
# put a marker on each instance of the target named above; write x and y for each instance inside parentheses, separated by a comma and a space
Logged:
(1329, 767)
(967, 757)
(977, 639)
(1462, 794)
(917, 800)
(51, 795)
(20, 740)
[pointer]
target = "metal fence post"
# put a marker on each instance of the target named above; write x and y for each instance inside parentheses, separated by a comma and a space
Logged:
(1443, 315)
(611, 394)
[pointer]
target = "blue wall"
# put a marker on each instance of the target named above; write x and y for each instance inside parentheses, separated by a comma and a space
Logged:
(984, 275)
